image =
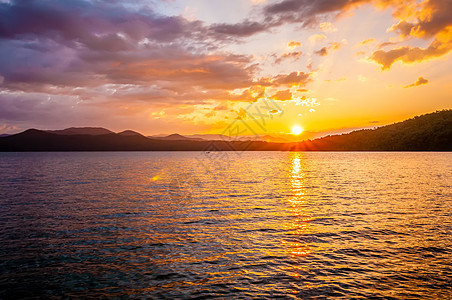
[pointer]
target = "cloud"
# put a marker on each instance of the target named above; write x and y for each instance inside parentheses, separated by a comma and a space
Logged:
(367, 42)
(295, 55)
(90, 24)
(5, 128)
(293, 44)
(85, 54)
(327, 27)
(21, 107)
(325, 50)
(382, 45)
(294, 78)
(282, 95)
(409, 54)
(306, 12)
(432, 21)
(309, 102)
(420, 81)
(432, 17)
(322, 52)
(80, 57)
(83, 43)
(243, 29)
(105, 52)
(336, 45)
(315, 38)
(423, 19)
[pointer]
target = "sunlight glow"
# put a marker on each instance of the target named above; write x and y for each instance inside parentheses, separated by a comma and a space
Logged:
(297, 130)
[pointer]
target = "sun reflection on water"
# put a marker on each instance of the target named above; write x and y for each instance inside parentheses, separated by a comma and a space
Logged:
(298, 206)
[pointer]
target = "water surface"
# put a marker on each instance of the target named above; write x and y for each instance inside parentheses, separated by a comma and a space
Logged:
(214, 225)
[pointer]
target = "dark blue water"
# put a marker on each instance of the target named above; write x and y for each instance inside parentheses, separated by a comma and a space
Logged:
(226, 225)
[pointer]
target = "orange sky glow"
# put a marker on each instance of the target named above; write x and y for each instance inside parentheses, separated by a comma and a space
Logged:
(196, 67)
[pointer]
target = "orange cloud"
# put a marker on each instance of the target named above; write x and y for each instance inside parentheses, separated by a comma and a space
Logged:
(294, 78)
(367, 42)
(282, 95)
(360, 53)
(327, 27)
(316, 38)
(382, 45)
(420, 81)
(425, 19)
(322, 52)
(293, 44)
(325, 50)
(411, 54)
(335, 45)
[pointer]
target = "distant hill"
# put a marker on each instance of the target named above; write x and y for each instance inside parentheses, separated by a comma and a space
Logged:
(430, 132)
(177, 137)
(221, 137)
(81, 130)
(269, 138)
(129, 133)
(209, 137)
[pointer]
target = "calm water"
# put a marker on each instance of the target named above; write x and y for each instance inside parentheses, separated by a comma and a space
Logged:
(218, 225)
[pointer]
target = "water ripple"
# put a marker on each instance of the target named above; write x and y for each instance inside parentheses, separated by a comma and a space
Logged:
(267, 225)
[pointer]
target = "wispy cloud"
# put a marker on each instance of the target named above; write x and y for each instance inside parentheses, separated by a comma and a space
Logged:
(420, 81)
(315, 38)
(327, 27)
(367, 42)
(294, 55)
(325, 50)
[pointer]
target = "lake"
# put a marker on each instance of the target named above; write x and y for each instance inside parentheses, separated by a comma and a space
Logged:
(314, 225)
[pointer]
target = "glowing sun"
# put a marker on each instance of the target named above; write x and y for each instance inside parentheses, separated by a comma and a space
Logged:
(297, 130)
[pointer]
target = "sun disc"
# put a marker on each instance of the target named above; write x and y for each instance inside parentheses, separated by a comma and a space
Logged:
(297, 130)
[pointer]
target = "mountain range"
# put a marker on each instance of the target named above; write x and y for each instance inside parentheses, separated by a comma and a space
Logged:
(429, 132)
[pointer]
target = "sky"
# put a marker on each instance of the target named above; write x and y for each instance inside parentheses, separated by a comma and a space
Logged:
(202, 66)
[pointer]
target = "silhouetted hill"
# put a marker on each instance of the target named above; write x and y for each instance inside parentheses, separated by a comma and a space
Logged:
(82, 130)
(177, 137)
(269, 138)
(37, 140)
(430, 132)
(422, 133)
(129, 133)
